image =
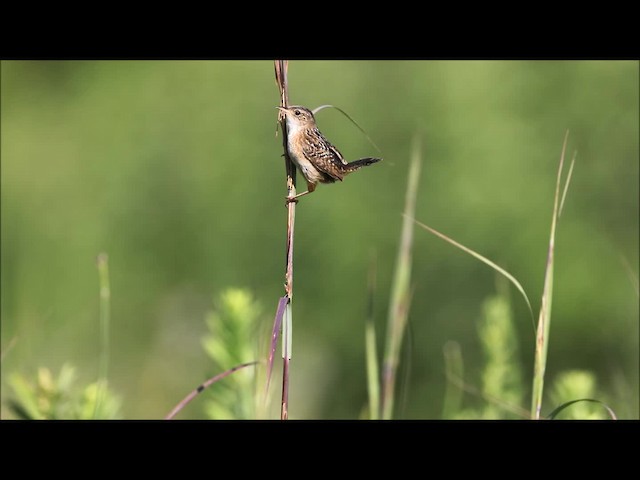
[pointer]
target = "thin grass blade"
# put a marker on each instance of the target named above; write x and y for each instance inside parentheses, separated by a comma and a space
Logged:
(183, 403)
(400, 290)
(633, 277)
(105, 320)
(373, 373)
(277, 325)
(8, 348)
(544, 319)
(454, 372)
(483, 259)
(556, 411)
(566, 184)
(317, 109)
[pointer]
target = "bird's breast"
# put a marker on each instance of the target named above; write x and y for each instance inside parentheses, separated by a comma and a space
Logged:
(308, 170)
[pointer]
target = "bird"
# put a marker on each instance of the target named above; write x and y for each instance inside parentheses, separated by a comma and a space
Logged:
(318, 160)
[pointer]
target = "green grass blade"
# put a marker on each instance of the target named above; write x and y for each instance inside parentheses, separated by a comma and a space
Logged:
(556, 411)
(26, 405)
(400, 294)
(633, 277)
(454, 370)
(8, 348)
(566, 184)
(373, 383)
(317, 109)
(105, 319)
(544, 319)
(483, 259)
(373, 373)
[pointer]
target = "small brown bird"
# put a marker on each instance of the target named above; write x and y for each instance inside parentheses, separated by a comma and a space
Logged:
(317, 159)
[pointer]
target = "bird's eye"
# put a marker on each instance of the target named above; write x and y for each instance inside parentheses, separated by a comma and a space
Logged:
(297, 112)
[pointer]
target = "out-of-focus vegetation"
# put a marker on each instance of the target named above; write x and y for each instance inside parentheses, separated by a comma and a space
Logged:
(174, 170)
(60, 398)
(232, 341)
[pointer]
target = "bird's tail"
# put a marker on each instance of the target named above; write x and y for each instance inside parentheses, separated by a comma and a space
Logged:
(356, 164)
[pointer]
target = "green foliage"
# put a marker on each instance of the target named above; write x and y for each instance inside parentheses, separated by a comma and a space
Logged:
(400, 301)
(544, 319)
(573, 385)
(232, 341)
(50, 398)
(501, 377)
(454, 392)
(501, 385)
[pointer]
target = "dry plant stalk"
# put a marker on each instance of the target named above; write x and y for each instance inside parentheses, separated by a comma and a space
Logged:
(183, 403)
(281, 67)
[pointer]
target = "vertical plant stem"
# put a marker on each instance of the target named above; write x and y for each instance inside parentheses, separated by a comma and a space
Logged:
(373, 381)
(105, 301)
(454, 369)
(281, 67)
(373, 373)
(544, 319)
(8, 348)
(286, 357)
(399, 306)
(284, 409)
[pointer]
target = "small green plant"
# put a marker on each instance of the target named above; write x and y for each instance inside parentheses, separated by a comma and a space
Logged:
(573, 392)
(577, 384)
(232, 341)
(502, 376)
(50, 398)
(501, 384)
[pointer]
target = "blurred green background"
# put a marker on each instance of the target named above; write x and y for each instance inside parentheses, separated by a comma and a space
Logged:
(173, 169)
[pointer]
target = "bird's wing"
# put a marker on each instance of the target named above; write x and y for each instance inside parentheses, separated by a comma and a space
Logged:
(323, 155)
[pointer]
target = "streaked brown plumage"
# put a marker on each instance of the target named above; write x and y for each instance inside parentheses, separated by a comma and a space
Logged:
(313, 154)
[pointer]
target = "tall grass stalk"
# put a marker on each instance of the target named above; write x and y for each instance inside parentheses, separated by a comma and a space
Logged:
(400, 294)
(544, 319)
(8, 348)
(105, 319)
(373, 372)
(454, 371)
(633, 277)
(281, 68)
